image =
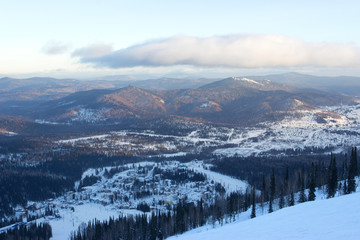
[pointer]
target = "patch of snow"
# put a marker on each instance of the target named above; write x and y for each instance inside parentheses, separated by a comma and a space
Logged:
(65, 103)
(247, 80)
(90, 115)
(41, 121)
(230, 183)
(70, 220)
(178, 154)
(84, 138)
(7, 133)
(205, 105)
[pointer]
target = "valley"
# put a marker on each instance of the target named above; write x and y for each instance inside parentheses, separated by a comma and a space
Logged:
(313, 132)
(130, 153)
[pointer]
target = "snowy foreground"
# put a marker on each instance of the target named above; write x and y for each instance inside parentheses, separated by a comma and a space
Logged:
(336, 218)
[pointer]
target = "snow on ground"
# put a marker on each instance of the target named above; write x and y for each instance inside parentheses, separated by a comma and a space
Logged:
(41, 121)
(168, 155)
(336, 218)
(90, 115)
(93, 201)
(247, 80)
(323, 130)
(71, 220)
(335, 132)
(102, 136)
(231, 184)
(7, 133)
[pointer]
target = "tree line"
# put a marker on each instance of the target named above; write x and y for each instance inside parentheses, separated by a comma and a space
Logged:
(334, 178)
(32, 231)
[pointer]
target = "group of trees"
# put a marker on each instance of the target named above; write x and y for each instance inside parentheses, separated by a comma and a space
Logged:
(183, 217)
(19, 185)
(180, 175)
(281, 178)
(37, 182)
(318, 176)
(32, 231)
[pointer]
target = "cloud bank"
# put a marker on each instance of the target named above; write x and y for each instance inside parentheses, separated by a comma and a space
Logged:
(237, 51)
(55, 48)
(93, 51)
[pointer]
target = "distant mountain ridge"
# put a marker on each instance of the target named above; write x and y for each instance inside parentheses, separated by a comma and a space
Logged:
(44, 88)
(339, 85)
(235, 101)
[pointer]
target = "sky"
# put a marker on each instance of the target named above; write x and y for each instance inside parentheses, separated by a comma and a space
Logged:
(92, 38)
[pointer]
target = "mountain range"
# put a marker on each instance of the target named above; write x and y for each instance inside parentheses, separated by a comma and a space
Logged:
(231, 101)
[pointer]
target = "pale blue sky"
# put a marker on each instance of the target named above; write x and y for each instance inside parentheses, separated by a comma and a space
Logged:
(27, 26)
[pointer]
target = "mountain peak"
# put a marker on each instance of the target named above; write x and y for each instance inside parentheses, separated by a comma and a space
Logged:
(237, 82)
(246, 80)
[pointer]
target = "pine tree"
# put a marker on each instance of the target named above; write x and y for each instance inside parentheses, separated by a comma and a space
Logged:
(312, 196)
(263, 193)
(302, 196)
(345, 175)
(272, 184)
(286, 181)
(292, 199)
(332, 178)
(201, 213)
(282, 198)
(253, 210)
(263, 189)
(272, 190)
(270, 206)
(355, 162)
(352, 172)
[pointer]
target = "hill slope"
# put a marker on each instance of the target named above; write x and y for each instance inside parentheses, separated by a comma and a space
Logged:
(338, 85)
(232, 101)
(336, 218)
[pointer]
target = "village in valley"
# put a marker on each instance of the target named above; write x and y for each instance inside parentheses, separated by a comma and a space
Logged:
(131, 189)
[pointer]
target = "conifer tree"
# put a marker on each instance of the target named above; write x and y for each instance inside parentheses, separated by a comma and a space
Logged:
(253, 210)
(286, 181)
(282, 198)
(345, 175)
(355, 162)
(292, 199)
(270, 206)
(272, 190)
(332, 178)
(263, 193)
(302, 196)
(311, 195)
(263, 189)
(352, 172)
(272, 184)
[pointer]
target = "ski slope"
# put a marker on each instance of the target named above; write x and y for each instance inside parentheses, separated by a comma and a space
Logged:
(337, 218)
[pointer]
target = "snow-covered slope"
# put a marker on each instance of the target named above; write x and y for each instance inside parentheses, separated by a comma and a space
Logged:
(336, 218)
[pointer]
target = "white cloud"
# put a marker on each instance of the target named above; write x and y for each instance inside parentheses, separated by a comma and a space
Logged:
(55, 48)
(238, 51)
(93, 51)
